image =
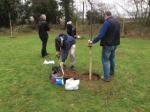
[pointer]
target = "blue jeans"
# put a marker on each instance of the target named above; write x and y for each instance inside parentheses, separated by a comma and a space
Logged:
(108, 60)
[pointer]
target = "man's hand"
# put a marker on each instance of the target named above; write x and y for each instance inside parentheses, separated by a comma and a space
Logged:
(90, 43)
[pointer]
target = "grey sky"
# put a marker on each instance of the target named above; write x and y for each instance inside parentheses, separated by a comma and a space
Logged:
(116, 5)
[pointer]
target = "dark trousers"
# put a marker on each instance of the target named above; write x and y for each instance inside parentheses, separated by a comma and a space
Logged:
(44, 44)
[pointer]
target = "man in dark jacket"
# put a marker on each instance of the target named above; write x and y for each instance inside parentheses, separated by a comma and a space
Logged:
(65, 45)
(69, 28)
(43, 27)
(71, 31)
(110, 39)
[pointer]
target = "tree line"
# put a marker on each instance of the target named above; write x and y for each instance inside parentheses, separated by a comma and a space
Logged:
(18, 11)
(138, 11)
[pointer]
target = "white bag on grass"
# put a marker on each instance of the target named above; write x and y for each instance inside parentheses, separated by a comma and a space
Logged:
(49, 62)
(72, 84)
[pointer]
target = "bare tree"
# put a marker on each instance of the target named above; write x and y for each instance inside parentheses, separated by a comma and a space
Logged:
(140, 10)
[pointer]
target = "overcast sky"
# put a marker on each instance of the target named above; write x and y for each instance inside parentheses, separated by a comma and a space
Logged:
(116, 5)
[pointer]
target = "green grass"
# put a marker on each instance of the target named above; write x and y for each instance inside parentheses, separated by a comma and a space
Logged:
(25, 85)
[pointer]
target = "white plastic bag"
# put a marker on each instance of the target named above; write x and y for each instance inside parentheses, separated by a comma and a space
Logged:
(48, 62)
(72, 84)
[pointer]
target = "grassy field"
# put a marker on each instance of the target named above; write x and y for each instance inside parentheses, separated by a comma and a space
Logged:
(25, 85)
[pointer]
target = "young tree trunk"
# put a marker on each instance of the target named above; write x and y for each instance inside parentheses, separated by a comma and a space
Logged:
(123, 25)
(83, 13)
(91, 35)
(148, 20)
(137, 10)
(10, 24)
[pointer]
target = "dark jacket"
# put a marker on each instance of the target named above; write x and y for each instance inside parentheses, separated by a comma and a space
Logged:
(70, 30)
(43, 27)
(63, 43)
(109, 33)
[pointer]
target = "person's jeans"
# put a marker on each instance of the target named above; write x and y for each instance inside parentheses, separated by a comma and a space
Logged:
(108, 60)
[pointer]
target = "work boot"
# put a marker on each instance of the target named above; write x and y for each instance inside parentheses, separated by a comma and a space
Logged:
(112, 76)
(106, 80)
(72, 67)
(45, 55)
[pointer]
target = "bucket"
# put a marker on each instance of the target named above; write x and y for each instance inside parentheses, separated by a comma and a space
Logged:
(59, 81)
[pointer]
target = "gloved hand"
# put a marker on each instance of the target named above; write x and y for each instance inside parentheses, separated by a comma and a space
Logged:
(90, 43)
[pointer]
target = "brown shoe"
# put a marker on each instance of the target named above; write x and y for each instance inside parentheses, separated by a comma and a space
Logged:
(106, 80)
(72, 67)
